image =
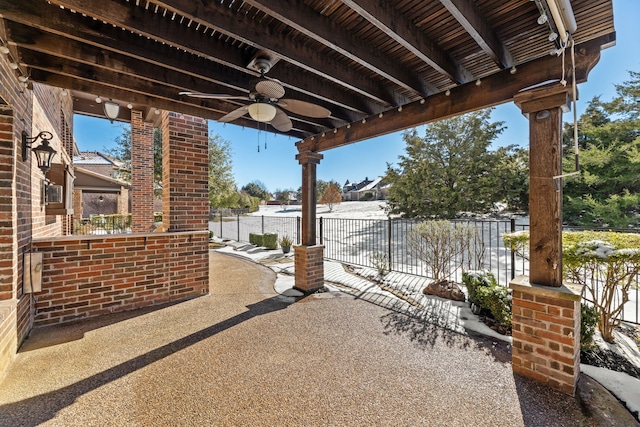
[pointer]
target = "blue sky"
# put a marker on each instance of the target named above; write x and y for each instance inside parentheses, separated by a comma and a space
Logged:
(277, 168)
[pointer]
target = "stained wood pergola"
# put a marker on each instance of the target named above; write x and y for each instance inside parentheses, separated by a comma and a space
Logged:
(378, 66)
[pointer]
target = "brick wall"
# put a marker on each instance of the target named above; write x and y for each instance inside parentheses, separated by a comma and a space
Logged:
(309, 267)
(141, 174)
(185, 172)
(93, 275)
(546, 333)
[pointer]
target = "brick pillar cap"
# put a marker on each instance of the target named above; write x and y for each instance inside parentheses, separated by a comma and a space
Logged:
(568, 291)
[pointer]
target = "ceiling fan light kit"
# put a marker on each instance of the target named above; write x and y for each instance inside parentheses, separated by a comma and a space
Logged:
(262, 112)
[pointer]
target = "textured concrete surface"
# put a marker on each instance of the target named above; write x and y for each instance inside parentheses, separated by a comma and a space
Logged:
(246, 356)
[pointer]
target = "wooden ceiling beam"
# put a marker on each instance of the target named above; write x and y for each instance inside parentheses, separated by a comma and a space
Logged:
(77, 27)
(495, 89)
(241, 27)
(322, 29)
(135, 90)
(59, 46)
(385, 16)
(466, 13)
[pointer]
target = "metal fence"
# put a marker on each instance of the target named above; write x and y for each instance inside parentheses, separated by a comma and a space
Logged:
(361, 241)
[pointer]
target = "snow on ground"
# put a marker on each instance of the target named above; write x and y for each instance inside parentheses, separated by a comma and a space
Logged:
(625, 387)
(358, 210)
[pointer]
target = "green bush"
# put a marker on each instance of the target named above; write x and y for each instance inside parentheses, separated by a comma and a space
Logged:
(255, 239)
(477, 279)
(588, 324)
(270, 240)
(484, 291)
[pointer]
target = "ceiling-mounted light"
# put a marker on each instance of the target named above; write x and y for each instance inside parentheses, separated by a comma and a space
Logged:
(513, 70)
(553, 36)
(111, 110)
(23, 79)
(157, 111)
(4, 49)
(478, 82)
(64, 92)
(129, 106)
(563, 17)
(447, 93)
(98, 100)
(543, 19)
(262, 112)
(13, 65)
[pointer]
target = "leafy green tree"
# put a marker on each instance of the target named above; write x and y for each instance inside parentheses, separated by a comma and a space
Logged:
(122, 152)
(511, 175)
(331, 196)
(256, 189)
(283, 196)
(222, 186)
(448, 171)
(607, 192)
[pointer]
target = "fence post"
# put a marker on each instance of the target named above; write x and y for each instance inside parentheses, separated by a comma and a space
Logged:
(221, 225)
(321, 232)
(389, 242)
(238, 218)
(513, 254)
(262, 224)
(298, 230)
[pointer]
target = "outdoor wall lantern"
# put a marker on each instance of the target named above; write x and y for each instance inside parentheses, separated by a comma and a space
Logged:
(44, 152)
(111, 110)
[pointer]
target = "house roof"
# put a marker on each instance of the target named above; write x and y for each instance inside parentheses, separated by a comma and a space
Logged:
(376, 66)
(89, 180)
(95, 158)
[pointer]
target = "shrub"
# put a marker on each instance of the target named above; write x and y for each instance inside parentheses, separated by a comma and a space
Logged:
(255, 239)
(210, 234)
(605, 263)
(286, 241)
(380, 261)
(484, 291)
(588, 323)
(442, 246)
(270, 240)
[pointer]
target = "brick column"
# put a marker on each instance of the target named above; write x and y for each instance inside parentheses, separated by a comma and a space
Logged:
(77, 204)
(185, 172)
(123, 201)
(141, 174)
(8, 201)
(546, 333)
(309, 265)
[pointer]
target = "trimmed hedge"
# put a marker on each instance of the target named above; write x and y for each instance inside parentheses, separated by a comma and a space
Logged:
(267, 240)
(255, 239)
(485, 292)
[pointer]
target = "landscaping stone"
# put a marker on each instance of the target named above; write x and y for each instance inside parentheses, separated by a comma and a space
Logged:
(445, 289)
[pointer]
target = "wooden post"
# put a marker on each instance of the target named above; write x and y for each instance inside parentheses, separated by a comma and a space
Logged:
(309, 160)
(309, 266)
(544, 107)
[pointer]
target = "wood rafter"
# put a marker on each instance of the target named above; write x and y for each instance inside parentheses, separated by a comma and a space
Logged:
(496, 89)
(398, 27)
(467, 15)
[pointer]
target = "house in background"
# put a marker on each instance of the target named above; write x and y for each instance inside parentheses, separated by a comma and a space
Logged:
(365, 190)
(98, 189)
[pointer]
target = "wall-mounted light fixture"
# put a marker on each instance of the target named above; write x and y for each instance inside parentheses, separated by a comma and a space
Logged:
(44, 152)
(111, 110)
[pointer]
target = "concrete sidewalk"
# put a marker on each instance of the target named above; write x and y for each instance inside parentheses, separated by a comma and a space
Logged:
(247, 356)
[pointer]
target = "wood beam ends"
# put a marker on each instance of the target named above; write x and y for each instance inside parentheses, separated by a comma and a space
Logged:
(309, 157)
(544, 98)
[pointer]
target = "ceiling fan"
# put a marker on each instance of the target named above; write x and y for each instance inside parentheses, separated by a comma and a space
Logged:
(266, 102)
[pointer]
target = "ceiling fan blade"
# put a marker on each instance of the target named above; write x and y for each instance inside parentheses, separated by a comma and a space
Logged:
(211, 95)
(238, 112)
(304, 108)
(270, 88)
(281, 121)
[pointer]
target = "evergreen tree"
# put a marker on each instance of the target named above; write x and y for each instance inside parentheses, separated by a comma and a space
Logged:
(448, 171)
(223, 192)
(256, 189)
(607, 192)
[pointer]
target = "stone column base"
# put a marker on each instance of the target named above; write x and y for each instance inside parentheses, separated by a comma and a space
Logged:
(309, 268)
(546, 333)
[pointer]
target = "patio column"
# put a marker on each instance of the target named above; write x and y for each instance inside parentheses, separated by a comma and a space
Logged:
(546, 312)
(309, 266)
(141, 174)
(185, 172)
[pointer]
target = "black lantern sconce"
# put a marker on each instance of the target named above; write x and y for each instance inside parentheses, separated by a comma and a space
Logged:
(44, 152)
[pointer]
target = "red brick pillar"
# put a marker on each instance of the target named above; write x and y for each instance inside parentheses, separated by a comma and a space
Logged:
(123, 201)
(546, 313)
(141, 174)
(8, 201)
(185, 172)
(309, 265)
(546, 333)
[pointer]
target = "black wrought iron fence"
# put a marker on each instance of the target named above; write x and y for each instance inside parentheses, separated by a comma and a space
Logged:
(103, 224)
(364, 242)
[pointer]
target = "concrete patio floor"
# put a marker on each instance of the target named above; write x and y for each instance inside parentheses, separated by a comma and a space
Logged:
(247, 356)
